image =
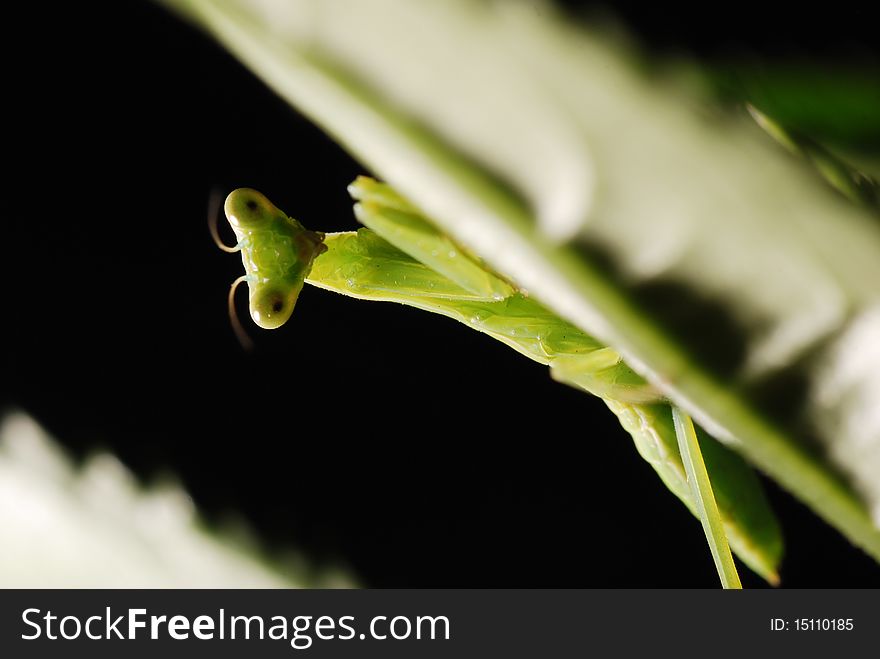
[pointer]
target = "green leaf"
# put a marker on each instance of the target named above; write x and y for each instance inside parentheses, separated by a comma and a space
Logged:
(721, 267)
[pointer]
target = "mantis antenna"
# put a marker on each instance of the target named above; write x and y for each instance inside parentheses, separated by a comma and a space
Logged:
(240, 333)
(213, 215)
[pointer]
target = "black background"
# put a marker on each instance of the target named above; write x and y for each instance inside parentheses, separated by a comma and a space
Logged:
(398, 444)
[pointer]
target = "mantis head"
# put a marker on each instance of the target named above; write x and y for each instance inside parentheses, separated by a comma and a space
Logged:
(277, 253)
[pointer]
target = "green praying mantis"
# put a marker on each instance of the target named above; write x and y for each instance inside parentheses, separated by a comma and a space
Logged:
(402, 257)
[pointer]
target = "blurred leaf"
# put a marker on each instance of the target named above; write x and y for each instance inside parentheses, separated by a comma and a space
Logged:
(96, 527)
(836, 103)
(855, 182)
(721, 267)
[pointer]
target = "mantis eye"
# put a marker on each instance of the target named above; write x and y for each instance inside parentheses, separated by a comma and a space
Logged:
(271, 307)
(246, 208)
